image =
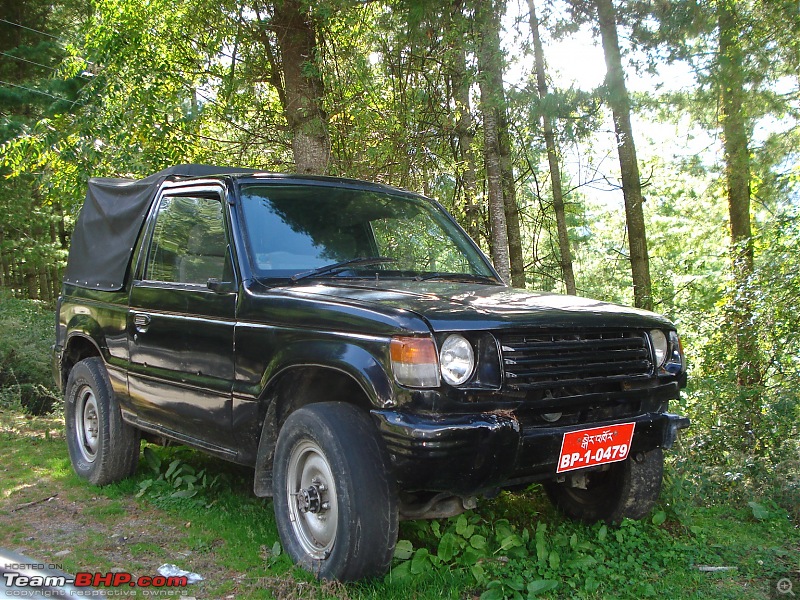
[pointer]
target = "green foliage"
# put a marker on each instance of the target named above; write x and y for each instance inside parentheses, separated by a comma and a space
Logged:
(178, 479)
(24, 379)
(507, 556)
(763, 463)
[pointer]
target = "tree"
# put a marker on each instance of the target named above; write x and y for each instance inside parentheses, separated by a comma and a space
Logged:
(738, 57)
(737, 175)
(464, 123)
(626, 149)
(30, 247)
(552, 157)
(297, 78)
(489, 64)
(510, 205)
(492, 71)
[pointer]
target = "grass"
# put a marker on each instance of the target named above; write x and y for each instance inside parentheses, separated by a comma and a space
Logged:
(513, 546)
(229, 536)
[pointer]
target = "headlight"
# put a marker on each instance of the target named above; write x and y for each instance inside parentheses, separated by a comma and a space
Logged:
(457, 360)
(659, 345)
(676, 361)
(668, 352)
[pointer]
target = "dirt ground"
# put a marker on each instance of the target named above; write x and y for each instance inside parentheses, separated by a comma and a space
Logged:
(50, 516)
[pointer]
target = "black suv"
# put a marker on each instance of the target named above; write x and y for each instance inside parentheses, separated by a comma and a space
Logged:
(353, 345)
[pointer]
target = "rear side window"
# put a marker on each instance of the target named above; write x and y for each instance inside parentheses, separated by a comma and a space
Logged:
(189, 244)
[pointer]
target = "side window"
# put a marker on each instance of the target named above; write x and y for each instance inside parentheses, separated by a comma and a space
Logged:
(189, 243)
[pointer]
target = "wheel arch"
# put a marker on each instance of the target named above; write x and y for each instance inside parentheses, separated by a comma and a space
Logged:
(79, 346)
(356, 377)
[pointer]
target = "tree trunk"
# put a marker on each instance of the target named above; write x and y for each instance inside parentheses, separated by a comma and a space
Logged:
(4, 274)
(303, 89)
(492, 71)
(735, 138)
(515, 254)
(737, 176)
(494, 181)
(45, 285)
(565, 251)
(626, 149)
(31, 281)
(489, 63)
(463, 129)
(18, 278)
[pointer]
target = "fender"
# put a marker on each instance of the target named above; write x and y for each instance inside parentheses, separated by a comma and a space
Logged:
(341, 356)
(86, 327)
(364, 358)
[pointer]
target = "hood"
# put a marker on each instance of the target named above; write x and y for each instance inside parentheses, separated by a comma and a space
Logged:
(455, 306)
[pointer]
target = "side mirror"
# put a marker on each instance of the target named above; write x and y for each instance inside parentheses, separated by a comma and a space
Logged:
(220, 287)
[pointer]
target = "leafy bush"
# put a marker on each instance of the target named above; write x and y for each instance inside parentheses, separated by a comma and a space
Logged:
(178, 479)
(509, 559)
(24, 355)
(744, 442)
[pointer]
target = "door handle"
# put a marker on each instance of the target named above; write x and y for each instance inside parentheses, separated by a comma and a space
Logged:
(141, 322)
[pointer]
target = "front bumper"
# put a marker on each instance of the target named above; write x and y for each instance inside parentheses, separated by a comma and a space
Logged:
(468, 454)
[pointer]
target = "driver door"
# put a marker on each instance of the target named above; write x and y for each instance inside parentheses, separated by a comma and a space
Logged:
(180, 333)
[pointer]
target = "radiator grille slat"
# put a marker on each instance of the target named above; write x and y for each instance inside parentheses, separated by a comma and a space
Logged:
(544, 360)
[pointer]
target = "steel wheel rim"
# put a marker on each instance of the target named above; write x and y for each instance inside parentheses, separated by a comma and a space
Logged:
(314, 523)
(87, 424)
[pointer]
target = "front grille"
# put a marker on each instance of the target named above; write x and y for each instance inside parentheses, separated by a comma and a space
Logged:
(559, 360)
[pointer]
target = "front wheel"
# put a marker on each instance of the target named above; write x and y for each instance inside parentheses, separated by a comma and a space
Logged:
(102, 447)
(335, 501)
(627, 489)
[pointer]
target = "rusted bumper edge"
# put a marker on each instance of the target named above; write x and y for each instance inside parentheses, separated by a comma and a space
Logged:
(470, 454)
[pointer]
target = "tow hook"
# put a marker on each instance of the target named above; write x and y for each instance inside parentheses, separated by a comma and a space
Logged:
(674, 425)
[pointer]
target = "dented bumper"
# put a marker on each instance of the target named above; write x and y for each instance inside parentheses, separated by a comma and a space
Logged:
(468, 454)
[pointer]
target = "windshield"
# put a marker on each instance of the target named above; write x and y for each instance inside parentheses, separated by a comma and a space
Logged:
(293, 229)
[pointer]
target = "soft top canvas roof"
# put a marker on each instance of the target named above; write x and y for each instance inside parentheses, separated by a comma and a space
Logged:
(110, 221)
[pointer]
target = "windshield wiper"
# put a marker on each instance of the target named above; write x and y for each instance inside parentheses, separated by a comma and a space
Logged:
(362, 261)
(456, 277)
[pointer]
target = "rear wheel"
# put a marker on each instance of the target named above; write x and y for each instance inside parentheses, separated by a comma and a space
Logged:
(627, 489)
(335, 501)
(102, 447)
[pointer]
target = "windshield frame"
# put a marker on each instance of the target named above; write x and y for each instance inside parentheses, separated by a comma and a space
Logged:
(461, 240)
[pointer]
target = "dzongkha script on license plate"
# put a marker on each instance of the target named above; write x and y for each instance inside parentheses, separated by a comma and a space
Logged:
(596, 446)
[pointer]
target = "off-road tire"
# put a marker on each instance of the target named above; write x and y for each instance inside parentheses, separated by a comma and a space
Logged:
(102, 447)
(335, 449)
(627, 489)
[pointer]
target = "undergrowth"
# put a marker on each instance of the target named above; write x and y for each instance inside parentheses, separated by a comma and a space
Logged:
(508, 558)
(28, 332)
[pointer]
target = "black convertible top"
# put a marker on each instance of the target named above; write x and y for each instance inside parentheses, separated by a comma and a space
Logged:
(110, 221)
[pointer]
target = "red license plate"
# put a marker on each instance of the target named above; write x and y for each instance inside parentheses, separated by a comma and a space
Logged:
(596, 446)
